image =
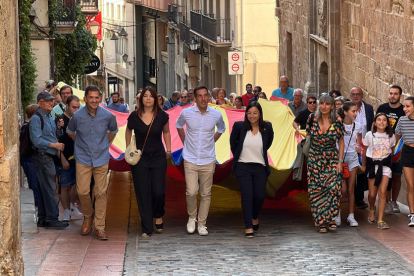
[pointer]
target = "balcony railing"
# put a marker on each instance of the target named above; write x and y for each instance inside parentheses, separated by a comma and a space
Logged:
(217, 30)
(89, 7)
(66, 13)
(185, 34)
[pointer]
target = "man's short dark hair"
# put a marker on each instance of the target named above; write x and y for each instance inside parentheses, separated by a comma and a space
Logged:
(258, 87)
(115, 93)
(175, 93)
(248, 85)
(92, 88)
(66, 87)
(72, 98)
(397, 87)
(199, 88)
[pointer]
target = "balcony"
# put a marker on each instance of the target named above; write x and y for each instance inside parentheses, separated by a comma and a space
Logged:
(206, 25)
(89, 7)
(161, 5)
(66, 16)
(185, 34)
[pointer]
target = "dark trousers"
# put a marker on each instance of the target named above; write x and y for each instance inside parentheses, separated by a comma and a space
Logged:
(48, 209)
(362, 182)
(149, 184)
(252, 178)
(30, 172)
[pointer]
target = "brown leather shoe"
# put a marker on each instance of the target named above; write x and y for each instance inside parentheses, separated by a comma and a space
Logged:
(87, 225)
(101, 235)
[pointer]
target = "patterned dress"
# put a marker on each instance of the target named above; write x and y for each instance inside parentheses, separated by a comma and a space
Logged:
(324, 182)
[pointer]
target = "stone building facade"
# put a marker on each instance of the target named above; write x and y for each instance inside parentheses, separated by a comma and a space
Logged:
(338, 44)
(11, 262)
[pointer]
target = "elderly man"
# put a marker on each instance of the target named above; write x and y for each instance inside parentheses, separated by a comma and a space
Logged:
(184, 99)
(284, 91)
(173, 101)
(190, 95)
(297, 105)
(214, 94)
(43, 134)
(365, 117)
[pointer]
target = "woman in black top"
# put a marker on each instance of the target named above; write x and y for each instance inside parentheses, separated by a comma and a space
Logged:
(149, 173)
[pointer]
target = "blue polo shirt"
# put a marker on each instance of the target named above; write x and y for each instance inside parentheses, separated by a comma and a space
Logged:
(42, 139)
(91, 143)
(289, 94)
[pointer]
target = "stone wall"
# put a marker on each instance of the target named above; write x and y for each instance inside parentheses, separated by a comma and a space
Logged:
(11, 262)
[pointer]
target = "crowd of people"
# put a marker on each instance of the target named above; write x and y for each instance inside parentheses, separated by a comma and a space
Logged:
(71, 149)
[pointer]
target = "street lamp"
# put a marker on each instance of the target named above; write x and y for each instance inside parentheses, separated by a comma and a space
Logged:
(194, 44)
(123, 32)
(94, 27)
(114, 37)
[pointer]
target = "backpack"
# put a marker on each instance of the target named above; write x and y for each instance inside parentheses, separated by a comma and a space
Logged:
(25, 147)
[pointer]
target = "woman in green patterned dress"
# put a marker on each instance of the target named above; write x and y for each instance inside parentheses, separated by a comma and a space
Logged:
(324, 166)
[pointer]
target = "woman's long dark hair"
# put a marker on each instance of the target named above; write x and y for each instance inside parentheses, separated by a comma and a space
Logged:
(141, 103)
(261, 121)
(388, 129)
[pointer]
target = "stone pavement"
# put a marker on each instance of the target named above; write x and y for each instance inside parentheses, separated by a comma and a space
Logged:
(67, 252)
(287, 242)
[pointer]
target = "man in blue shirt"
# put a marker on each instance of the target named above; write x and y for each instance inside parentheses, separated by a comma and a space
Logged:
(116, 105)
(46, 146)
(173, 101)
(284, 91)
(256, 92)
(92, 128)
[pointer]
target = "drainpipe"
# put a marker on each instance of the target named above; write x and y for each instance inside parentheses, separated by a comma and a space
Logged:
(242, 41)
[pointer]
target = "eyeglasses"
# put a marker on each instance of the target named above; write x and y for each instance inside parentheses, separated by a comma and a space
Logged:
(312, 102)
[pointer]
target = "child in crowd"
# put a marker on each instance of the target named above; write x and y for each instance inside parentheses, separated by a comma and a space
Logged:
(376, 161)
(353, 140)
(405, 128)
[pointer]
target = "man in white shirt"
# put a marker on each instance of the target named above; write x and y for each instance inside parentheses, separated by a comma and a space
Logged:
(199, 155)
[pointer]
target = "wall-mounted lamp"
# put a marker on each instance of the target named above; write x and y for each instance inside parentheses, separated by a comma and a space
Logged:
(123, 32)
(195, 47)
(114, 37)
(167, 40)
(94, 27)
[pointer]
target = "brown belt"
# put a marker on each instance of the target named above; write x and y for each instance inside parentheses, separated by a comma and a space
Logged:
(44, 153)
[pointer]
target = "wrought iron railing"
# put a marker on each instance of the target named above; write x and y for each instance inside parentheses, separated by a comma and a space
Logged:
(65, 13)
(217, 30)
(89, 7)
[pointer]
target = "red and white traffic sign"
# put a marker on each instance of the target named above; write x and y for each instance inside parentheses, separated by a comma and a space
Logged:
(235, 60)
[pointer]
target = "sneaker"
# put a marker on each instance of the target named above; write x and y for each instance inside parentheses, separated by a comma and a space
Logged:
(202, 231)
(191, 225)
(66, 216)
(56, 225)
(75, 210)
(352, 222)
(411, 220)
(395, 207)
(338, 219)
(388, 208)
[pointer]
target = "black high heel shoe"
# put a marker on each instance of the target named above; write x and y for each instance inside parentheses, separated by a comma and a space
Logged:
(159, 227)
(250, 235)
(255, 227)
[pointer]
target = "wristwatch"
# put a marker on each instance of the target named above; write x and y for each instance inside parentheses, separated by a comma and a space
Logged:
(341, 160)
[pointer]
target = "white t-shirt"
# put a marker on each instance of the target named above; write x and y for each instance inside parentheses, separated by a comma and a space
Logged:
(348, 131)
(379, 145)
(252, 151)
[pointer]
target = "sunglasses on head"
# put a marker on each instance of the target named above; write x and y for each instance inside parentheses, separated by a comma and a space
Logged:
(311, 102)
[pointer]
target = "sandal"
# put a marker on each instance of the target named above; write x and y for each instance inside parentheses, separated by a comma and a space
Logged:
(333, 226)
(323, 229)
(371, 220)
(382, 225)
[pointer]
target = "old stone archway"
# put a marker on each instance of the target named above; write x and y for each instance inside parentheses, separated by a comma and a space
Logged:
(323, 78)
(11, 262)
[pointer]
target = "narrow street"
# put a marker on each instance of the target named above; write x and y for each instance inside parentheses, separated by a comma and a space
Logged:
(287, 242)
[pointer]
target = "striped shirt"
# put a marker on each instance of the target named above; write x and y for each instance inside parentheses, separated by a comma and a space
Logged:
(199, 140)
(405, 128)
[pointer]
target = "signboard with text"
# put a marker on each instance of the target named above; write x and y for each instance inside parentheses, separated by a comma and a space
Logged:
(235, 60)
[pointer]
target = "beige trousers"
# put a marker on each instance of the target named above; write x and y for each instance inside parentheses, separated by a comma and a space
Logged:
(83, 179)
(198, 178)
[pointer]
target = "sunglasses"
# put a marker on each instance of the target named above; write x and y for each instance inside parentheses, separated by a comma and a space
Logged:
(312, 102)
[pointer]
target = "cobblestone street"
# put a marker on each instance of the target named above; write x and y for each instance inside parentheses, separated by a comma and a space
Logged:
(287, 242)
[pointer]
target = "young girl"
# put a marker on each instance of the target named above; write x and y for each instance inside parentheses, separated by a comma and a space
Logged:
(352, 140)
(376, 161)
(405, 128)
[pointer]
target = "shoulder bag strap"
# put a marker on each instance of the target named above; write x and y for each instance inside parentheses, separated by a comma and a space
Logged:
(147, 134)
(349, 142)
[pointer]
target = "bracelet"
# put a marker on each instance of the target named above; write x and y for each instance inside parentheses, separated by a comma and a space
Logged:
(341, 160)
